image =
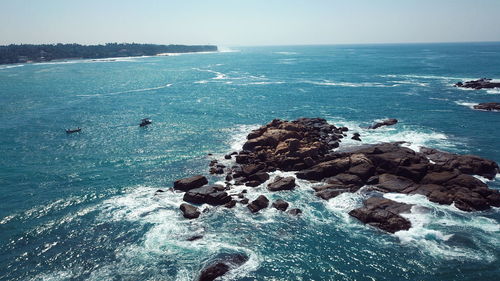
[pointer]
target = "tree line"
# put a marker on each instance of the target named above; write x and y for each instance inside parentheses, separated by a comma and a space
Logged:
(47, 52)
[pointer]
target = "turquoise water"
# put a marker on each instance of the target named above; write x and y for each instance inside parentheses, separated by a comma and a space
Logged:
(82, 206)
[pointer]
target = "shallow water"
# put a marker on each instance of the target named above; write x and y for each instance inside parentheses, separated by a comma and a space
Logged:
(82, 206)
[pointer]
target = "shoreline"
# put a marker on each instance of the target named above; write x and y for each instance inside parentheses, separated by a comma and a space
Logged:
(107, 59)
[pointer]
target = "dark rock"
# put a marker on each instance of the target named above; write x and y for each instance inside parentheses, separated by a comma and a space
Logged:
(363, 171)
(295, 212)
(329, 193)
(230, 204)
(216, 170)
(244, 201)
(387, 122)
(194, 237)
(483, 83)
(260, 177)
(189, 211)
(281, 183)
(210, 194)
(392, 183)
(383, 214)
(217, 269)
(488, 106)
(356, 136)
(258, 204)
(229, 178)
(253, 183)
(467, 164)
(347, 179)
(227, 156)
(280, 204)
(325, 169)
(190, 183)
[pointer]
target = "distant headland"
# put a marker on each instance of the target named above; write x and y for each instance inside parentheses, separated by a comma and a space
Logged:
(26, 53)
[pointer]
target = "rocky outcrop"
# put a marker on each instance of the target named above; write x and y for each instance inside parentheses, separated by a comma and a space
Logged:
(219, 268)
(190, 183)
(488, 106)
(386, 122)
(383, 214)
(189, 211)
(306, 146)
(483, 83)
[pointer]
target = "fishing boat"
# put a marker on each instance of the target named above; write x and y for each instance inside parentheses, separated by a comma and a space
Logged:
(70, 131)
(145, 122)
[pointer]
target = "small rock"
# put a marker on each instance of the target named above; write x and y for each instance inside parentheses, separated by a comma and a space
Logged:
(189, 211)
(280, 204)
(295, 212)
(258, 204)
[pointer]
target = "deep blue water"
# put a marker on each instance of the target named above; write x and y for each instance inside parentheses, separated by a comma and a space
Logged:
(82, 206)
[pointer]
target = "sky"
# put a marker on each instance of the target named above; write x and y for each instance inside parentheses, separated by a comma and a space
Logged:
(248, 23)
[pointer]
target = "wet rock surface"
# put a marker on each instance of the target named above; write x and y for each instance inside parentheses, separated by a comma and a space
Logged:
(483, 83)
(307, 147)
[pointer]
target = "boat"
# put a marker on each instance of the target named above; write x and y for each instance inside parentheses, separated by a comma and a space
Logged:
(70, 131)
(145, 122)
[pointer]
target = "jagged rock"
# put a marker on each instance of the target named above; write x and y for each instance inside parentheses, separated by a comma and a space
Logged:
(383, 214)
(258, 204)
(387, 122)
(281, 183)
(186, 184)
(483, 83)
(189, 211)
(488, 106)
(217, 269)
(280, 204)
(210, 194)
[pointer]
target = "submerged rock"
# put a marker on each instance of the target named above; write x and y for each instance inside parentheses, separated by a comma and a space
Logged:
(483, 83)
(186, 184)
(488, 106)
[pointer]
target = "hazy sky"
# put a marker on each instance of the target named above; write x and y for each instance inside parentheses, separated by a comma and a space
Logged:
(255, 22)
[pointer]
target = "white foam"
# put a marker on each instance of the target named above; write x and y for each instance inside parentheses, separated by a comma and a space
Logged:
(434, 225)
(128, 91)
(2, 67)
(414, 136)
(286, 53)
(347, 84)
(495, 91)
(466, 104)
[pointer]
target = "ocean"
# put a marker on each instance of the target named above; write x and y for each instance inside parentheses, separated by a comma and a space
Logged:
(83, 206)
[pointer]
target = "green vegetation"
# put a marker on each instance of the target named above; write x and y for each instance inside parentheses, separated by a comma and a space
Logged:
(47, 52)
